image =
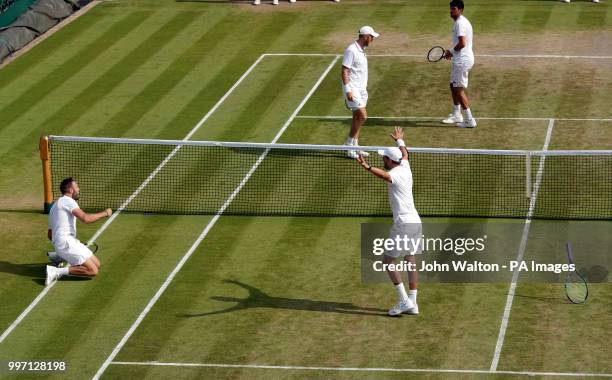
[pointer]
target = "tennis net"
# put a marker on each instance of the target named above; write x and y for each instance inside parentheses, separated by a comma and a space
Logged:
(209, 177)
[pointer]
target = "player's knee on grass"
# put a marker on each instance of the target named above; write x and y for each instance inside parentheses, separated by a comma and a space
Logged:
(96, 261)
(91, 266)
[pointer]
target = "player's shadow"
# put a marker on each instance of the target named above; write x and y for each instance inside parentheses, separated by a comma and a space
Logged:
(374, 122)
(259, 299)
(553, 300)
(36, 271)
(33, 270)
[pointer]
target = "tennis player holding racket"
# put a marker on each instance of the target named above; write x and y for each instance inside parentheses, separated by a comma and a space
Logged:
(462, 60)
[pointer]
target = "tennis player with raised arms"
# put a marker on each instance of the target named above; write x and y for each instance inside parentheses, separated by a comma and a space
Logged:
(406, 220)
(355, 83)
(462, 61)
(62, 233)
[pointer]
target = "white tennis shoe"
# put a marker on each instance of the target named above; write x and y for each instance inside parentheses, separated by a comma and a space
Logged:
(402, 307)
(453, 119)
(52, 275)
(362, 153)
(471, 123)
(414, 310)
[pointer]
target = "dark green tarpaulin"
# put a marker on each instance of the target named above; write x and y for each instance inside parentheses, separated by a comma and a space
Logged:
(41, 16)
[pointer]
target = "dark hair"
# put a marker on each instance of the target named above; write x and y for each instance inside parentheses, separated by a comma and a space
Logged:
(65, 185)
(457, 4)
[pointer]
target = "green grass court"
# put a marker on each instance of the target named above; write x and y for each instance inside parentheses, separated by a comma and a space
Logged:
(284, 293)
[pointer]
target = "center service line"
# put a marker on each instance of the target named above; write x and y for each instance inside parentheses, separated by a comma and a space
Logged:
(208, 227)
(521, 251)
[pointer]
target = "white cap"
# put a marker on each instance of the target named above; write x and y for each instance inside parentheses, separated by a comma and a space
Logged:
(394, 153)
(368, 30)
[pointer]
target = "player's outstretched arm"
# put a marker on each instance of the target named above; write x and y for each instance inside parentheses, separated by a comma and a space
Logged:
(398, 136)
(90, 218)
(380, 173)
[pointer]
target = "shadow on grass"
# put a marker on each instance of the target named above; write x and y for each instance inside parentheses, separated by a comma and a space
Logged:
(41, 281)
(554, 300)
(259, 299)
(36, 271)
(375, 122)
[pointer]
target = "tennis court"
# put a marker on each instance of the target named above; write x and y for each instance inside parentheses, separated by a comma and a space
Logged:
(231, 296)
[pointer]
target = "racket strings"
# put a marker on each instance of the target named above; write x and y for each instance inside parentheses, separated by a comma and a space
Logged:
(576, 289)
(435, 54)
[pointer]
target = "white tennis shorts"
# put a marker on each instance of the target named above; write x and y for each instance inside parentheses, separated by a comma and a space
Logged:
(460, 72)
(360, 99)
(72, 251)
(413, 232)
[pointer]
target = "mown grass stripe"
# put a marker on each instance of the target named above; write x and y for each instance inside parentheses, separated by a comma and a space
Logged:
(158, 88)
(111, 78)
(78, 62)
(217, 85)
(55, 44)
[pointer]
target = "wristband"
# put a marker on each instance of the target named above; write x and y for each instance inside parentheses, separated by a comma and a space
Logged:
(400, 142)
(370, 168)
(346, 88)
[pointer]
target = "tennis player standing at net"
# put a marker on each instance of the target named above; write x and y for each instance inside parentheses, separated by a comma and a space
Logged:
(462, 60)
(62, 232)
(355, 83)
(406, 220)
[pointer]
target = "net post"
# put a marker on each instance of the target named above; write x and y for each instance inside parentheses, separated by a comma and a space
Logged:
(528, 175)
(45, 157)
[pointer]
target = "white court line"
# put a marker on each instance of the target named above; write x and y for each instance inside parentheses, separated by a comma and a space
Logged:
(476, 55)
(103, 228)
(346, 117)
(366, 369)
(208, 227)
(521, 251)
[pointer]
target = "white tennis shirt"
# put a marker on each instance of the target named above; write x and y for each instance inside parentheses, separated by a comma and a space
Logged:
(61, 220)
(400, 194)
(357, 63)
(462, 28)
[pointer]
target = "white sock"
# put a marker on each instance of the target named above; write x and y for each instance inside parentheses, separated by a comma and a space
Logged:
(412, 294)
(401, 292)
(456, 109)
(349, 141)
(355, 142)
(468, 114)
(65, 271)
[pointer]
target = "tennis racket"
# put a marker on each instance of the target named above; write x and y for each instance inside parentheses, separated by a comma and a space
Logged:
(94, 247)
(576, 288)
(435, 54)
